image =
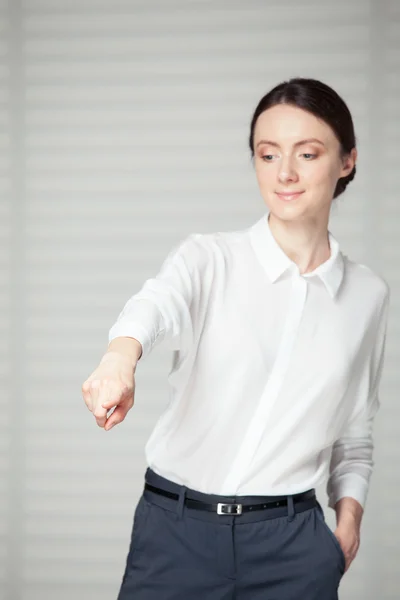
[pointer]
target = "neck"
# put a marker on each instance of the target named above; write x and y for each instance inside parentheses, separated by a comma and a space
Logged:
(305, 242)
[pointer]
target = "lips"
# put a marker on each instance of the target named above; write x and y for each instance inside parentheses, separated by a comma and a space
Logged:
(287, 196)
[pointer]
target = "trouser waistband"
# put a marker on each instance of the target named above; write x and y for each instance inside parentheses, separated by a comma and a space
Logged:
(183, 492)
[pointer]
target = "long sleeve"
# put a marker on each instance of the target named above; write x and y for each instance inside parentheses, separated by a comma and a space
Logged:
(352, 461)
(161, 308)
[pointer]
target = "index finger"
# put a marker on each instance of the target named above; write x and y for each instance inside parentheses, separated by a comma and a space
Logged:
(106, 390)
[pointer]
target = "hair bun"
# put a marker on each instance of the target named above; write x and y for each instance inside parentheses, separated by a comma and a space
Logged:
(343, 182)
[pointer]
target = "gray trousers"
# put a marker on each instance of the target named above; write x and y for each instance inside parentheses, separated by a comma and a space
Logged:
(180, 553)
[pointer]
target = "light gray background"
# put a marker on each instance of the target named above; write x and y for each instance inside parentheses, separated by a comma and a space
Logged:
(123, 128)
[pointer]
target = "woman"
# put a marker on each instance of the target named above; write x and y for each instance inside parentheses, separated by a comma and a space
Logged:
(278, 343)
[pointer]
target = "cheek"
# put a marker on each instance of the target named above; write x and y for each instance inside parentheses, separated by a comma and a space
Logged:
(320, 176)
(329, 182)
(265, 177)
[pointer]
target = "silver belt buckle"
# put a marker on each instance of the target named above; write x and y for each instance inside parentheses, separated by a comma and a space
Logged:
(220, 510)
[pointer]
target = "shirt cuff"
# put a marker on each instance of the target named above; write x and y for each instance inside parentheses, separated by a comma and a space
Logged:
(140, 319)
(133, 330)
(350, 484)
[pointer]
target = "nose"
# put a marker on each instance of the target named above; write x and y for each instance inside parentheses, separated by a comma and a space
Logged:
(287, 172)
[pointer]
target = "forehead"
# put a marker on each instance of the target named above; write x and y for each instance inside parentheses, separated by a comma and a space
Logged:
(284, 123)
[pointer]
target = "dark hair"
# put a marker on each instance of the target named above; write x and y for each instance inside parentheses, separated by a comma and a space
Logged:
(320, 100)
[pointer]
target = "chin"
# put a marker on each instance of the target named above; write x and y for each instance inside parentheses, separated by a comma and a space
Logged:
(286, 212)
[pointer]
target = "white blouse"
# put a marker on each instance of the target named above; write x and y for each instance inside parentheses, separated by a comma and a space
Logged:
(275, 375)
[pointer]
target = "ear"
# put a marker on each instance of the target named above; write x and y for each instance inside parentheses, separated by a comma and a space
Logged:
(348, 163)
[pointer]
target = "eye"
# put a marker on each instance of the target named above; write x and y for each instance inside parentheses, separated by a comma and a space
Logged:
(307, 155)
(267, 157)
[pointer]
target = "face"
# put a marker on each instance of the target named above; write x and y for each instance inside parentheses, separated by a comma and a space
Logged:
(297, 178)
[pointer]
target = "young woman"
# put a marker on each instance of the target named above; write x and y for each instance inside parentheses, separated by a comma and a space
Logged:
(278, 343)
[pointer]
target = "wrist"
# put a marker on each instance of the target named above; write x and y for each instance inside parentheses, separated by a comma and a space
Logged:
(348, 511)
(128, 347)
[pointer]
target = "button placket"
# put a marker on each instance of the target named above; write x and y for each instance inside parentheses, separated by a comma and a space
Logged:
(255, 431)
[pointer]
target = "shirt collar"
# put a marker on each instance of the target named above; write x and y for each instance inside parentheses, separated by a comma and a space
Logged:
(276, 262)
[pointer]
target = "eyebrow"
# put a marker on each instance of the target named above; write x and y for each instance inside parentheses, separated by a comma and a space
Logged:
(300, 143)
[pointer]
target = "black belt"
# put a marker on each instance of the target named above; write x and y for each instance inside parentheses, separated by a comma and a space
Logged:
(223, 508)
